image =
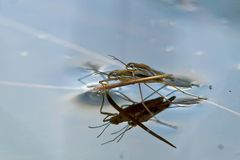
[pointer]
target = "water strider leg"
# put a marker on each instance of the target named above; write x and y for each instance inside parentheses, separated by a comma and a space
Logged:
(184, 92)
(86, 76)
(105, 119)
(120, 130)
(124, 97)
(155, 118)
(98, 126)
(126, 128)
(101, 108)
(122, 134)
(142, 101)
(159, 93)
(104, 129)
(171, 93)
(106, 126)
(154, 92)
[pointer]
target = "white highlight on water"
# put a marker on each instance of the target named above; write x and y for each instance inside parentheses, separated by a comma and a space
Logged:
(199, 53)
(43, 86)
(223, 108)
(51, 38)
(24, 53)
(238, 66)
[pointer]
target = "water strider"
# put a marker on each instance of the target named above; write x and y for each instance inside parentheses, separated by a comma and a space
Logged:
(173, 80)
(124, 76)
(140, 70)
(136, 76)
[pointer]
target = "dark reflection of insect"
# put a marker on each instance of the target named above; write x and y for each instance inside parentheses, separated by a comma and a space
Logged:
(134, 114)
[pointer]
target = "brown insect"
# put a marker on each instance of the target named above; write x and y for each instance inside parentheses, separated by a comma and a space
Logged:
(134, 115)
(136, 73)
(140, 70)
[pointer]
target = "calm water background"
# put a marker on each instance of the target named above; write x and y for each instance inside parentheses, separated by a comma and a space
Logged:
(40, 39)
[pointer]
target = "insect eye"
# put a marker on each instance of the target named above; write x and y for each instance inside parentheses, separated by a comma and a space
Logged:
(131, 65)
(114, 74)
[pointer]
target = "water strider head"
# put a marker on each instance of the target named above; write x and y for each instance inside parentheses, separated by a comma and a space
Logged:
(138, 66)
(143, 67)
(119, 74)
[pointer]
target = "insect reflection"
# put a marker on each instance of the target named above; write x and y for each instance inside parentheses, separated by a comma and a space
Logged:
(134, 115)
(124, 76)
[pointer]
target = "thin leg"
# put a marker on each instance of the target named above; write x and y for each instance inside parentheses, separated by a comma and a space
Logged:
(144, 105)
(104, 120)
(155, 118)
(172, 85)
(107, 119)
(86, 76)
(171, 93)
(124, 97)
(154, 92)
(101, 108)
(115, 58)
(159, 93)
(120, 135)
(120, 130)
(104, 129)
(102, 74)
(99, 125)
(105, 113)
(106, 126)
(90, 74)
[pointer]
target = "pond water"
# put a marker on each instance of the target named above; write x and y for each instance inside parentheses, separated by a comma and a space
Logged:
(43, 41)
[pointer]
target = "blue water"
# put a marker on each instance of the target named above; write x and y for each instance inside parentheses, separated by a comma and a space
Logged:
(42, 41)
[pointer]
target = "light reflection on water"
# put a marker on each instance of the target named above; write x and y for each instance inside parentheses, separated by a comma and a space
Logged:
(39, 39)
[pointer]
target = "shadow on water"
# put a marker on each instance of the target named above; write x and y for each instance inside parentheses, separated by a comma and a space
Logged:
(93, 99)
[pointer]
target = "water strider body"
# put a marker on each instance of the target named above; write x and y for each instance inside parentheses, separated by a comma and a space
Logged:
(143, 67)
(173, 80)
(124, 75)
